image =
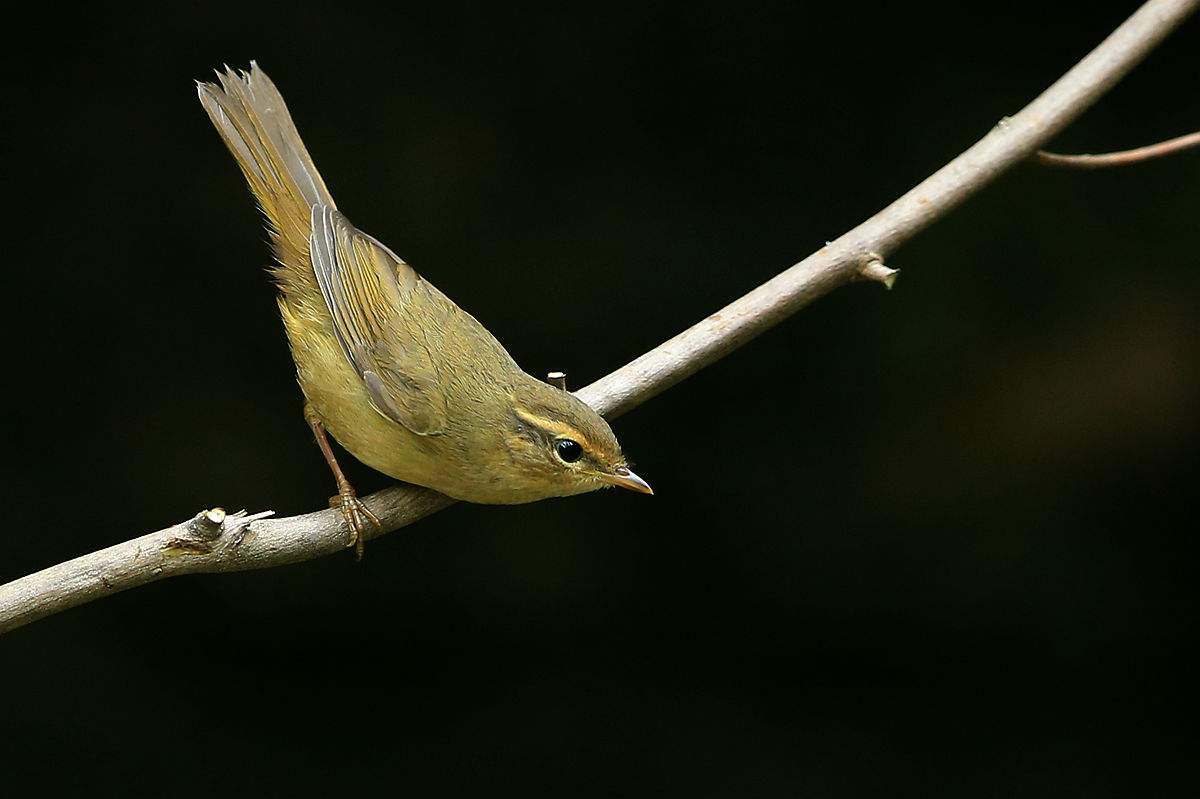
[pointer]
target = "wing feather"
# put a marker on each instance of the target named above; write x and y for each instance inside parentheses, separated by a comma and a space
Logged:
(368, 290)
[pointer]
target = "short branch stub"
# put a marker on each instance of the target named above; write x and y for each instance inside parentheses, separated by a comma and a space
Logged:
(877, 271)
(208, 524)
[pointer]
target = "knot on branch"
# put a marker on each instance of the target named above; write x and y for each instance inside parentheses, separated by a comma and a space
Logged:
(210, 528)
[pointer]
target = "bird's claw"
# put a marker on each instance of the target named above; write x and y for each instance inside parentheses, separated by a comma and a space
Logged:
(357, 516)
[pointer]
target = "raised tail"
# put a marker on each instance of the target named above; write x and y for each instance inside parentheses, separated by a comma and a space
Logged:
(254, 122)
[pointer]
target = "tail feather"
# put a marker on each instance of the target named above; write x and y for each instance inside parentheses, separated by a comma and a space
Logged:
(254, 122)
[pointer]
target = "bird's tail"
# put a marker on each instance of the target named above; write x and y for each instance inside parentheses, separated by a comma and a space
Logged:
(254, 122)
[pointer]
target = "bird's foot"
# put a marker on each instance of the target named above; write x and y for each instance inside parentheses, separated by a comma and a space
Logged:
(357, 516)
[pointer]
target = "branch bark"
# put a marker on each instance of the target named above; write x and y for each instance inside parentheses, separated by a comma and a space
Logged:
(213, 542)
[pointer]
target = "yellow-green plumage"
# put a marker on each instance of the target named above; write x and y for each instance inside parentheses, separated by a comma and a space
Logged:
(402, 377)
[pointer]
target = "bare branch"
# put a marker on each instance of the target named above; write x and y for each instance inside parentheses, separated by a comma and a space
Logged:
(1122, 158)
(239, 542)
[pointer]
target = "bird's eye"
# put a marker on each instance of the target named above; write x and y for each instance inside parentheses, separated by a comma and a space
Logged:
(568, 450)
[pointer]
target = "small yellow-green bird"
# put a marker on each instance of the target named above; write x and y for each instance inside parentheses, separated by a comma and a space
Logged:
(404, 379)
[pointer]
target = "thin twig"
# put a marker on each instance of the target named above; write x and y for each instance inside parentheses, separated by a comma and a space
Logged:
(1122, 158)
(244, 543)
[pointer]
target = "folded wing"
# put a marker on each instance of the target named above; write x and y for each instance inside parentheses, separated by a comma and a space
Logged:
(369, 291)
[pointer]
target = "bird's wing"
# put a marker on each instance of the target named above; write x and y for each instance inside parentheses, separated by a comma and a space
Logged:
(369, 291)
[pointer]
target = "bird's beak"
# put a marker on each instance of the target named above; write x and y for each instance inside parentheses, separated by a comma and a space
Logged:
(622, 477)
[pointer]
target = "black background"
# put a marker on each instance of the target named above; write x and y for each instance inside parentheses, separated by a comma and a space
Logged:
(928, 541)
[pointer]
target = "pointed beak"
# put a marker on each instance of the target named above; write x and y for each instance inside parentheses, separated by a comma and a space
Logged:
(622, 477)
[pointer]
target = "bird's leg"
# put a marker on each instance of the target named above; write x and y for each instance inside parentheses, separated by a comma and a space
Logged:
(354, 511)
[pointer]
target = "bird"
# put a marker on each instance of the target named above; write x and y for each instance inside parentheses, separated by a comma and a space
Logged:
(404, 379)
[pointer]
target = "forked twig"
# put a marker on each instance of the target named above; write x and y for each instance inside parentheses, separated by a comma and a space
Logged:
(1122, 158)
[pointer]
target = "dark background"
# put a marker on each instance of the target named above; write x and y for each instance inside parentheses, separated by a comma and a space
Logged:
(929, 541)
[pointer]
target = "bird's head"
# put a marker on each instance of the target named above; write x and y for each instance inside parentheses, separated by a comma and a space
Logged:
(563, 446)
